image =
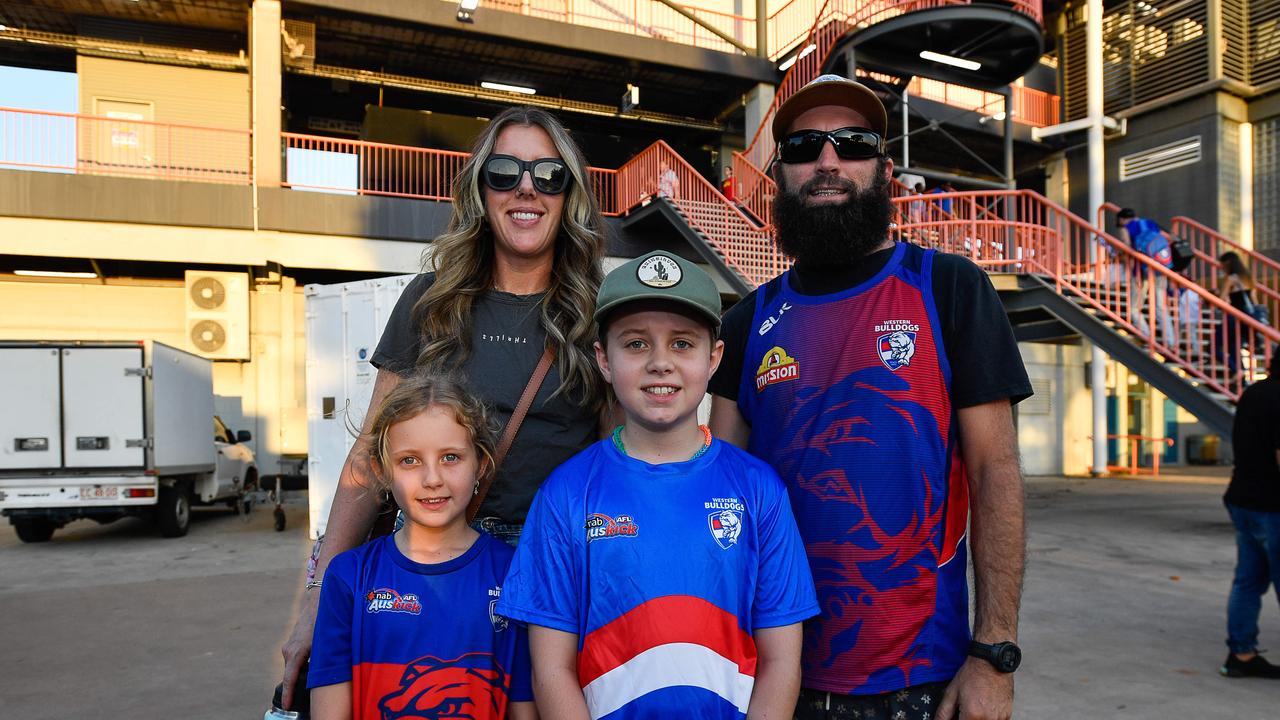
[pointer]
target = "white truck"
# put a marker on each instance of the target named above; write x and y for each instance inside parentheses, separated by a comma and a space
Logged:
(105, 430)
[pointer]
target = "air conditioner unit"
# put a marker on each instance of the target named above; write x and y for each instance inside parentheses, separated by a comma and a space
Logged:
(218, 314)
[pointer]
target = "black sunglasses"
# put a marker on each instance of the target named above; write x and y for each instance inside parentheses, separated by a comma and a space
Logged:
(503, 172)
(851, 143)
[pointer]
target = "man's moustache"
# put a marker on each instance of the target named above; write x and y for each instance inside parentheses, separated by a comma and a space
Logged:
(821, 183)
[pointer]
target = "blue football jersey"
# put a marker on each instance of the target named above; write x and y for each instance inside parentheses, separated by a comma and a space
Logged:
(850, 400)
(420, 641)
(663, 572)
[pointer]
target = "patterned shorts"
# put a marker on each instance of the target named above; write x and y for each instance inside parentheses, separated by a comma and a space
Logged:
(918, 702)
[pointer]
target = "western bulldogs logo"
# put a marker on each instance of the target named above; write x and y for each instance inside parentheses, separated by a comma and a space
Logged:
(469, 686)
(726, 526)
(499, 623)
(897, 349)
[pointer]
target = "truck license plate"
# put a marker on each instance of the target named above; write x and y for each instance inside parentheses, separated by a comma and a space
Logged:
(98, 492)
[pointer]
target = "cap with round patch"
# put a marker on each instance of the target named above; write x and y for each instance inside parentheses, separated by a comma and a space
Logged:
(663, 277)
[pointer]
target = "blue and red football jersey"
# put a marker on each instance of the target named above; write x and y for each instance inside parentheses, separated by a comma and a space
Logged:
(420, 641)
(850, 403)
(663, 572)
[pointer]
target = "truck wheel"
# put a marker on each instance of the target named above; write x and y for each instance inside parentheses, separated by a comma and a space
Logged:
(34, 530)
(173, 511)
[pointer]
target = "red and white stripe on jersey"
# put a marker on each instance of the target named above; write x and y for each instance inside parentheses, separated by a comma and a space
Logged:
(676, 640)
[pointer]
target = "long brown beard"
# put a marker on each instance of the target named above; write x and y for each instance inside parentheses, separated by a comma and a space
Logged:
(832, 234)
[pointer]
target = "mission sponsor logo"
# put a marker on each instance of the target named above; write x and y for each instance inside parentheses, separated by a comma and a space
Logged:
(388, 600)
(603, 527)
(777, 366)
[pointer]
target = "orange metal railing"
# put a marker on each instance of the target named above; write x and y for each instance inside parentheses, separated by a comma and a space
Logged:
(1132, 468)
(1022, 231)
(367, 168)
(1210, 244)
(1030, 106)
(93, 145)
(746, 247)
(639, 17)
(833, 22)
(1205, 269)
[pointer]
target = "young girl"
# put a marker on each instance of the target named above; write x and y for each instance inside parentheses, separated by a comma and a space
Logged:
(406, 627)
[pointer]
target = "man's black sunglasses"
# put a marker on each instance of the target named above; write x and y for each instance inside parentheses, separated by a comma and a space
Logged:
(503, 172)
(851, 143)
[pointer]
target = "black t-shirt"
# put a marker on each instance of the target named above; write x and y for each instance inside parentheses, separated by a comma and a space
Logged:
(507, 340)
(1255, 437)
(985, 362)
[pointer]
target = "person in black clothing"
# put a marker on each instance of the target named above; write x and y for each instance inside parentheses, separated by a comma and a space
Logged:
(1253, 500)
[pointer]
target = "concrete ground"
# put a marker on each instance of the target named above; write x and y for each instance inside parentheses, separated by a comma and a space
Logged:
(1123, 615)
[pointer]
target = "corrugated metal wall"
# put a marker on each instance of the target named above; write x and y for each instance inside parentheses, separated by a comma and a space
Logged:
(1266, 184)
(188, 96)
(1229, 178)
(184, 100)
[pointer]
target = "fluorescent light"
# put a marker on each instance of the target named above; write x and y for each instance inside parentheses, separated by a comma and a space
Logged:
(465, 9)
(786, 64)
(55, 274)
(508, 88)
(950, 60)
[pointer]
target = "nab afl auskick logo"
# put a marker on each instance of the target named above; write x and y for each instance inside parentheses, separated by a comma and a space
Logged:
(659, 271)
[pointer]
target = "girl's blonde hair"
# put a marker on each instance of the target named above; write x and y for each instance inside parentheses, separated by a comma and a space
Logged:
(415, 395)
(464, 265)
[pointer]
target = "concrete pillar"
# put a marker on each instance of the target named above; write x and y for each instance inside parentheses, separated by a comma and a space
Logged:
(758, 101)
(1097, 184)
(264, 81)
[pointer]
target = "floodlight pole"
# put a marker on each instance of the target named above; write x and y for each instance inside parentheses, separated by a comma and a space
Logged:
(1097, 195)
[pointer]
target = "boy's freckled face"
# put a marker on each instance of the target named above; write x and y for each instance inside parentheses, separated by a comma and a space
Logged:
(659, 364)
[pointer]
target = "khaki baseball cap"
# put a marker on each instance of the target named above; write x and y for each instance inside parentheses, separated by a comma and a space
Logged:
(664, 277)
(831, 90)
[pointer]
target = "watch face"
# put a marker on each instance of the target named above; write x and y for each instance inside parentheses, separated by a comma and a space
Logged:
(1009, 658)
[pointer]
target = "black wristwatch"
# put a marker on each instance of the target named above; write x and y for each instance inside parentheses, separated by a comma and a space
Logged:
(1003, 656)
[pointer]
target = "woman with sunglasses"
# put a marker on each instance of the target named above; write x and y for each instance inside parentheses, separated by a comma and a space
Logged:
(516, 272)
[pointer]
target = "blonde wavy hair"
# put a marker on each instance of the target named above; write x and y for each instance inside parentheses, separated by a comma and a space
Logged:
(464, 266)
(417, 394)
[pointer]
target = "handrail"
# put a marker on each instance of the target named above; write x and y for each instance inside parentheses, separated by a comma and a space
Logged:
(1211, 243)
(1022, 231)
(96, 145)
(1207, 246)
(833, 21)
(372, 168)
(746, 247)
(638, 17)
(1132, 468)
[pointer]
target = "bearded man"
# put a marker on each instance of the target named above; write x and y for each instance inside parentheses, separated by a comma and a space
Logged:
(896, 469)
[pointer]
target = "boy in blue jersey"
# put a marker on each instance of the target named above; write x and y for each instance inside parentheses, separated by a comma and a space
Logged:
(661, 572)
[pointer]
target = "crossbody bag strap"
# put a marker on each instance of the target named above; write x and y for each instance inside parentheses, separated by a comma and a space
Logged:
(513, 427)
